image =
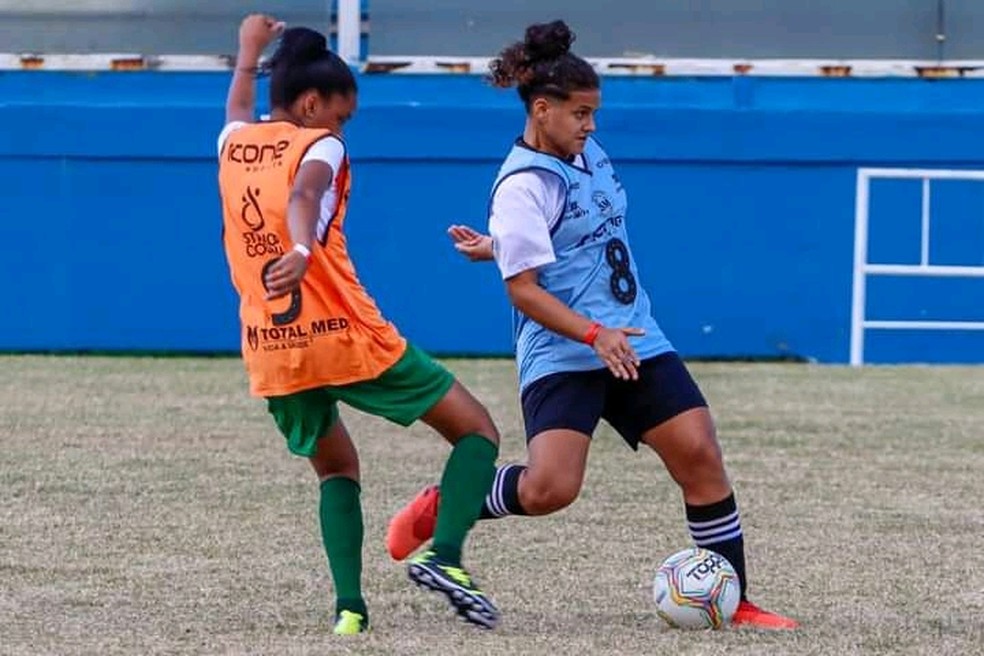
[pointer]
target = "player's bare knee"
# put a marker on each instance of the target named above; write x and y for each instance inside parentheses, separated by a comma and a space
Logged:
(335, 467)
(707, 455)
(325, 471)
(479, 422)
(460, 414)
(487, 428)
(703, 468)
(543, 498)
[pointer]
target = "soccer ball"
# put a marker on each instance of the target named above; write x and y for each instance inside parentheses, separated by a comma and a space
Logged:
(696, 589)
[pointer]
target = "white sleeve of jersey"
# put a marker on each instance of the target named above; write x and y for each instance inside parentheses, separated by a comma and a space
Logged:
(331, 151)
(226, 131)
(524, 209)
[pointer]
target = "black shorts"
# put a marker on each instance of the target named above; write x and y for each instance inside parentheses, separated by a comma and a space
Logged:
(577, 400)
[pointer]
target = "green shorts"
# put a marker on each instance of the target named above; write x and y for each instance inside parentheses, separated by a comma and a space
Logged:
(403, 394)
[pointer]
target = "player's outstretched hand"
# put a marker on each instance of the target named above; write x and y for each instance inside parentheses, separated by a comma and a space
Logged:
(471, 243)
(612, 346)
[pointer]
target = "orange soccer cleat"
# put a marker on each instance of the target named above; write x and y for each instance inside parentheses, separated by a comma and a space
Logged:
(748, 614)
(414, 524)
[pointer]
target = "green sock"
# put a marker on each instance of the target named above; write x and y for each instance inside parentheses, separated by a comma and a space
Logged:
(341, 533)
(466, 480)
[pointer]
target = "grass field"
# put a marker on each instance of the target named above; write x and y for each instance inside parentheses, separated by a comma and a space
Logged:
(149, 506)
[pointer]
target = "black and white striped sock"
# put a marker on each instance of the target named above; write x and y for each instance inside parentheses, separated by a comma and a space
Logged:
(717, 526)
(503, 498)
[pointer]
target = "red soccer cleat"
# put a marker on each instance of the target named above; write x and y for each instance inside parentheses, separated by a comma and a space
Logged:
(414, 524)
(748, 614)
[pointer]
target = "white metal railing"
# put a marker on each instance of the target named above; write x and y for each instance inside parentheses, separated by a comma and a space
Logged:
(642, 66)
(863, 268)
(349, 30)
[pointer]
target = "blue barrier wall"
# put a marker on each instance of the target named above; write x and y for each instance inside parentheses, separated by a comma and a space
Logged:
(741, 209)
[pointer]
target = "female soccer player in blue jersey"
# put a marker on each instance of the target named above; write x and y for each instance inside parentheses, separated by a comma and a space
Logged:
(587, 345)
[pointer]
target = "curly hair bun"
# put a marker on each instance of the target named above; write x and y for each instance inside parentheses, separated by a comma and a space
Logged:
(546, 41)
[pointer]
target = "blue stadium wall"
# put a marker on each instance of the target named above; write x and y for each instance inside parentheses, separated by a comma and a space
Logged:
(741, 209)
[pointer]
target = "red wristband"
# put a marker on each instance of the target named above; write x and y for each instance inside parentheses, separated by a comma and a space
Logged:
(592, 334)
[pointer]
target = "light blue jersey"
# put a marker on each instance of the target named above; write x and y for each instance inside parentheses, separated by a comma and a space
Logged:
(594, 273)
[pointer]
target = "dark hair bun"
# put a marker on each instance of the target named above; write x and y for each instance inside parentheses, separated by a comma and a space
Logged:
(543, 65)
(300, 45)
(546, 41)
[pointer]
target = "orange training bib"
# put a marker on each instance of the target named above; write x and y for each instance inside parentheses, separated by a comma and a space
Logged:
(329, 331)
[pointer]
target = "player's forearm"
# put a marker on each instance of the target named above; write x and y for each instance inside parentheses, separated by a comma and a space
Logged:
(302, 217)
(550, 312)
(241, 101)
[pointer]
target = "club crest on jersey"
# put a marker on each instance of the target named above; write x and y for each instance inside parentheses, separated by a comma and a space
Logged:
(603, 203)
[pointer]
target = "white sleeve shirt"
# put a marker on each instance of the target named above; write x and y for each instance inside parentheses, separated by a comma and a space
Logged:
(525, 207)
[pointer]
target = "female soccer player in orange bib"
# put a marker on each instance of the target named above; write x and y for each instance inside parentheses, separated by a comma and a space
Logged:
(587, 345)
(311, 334)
